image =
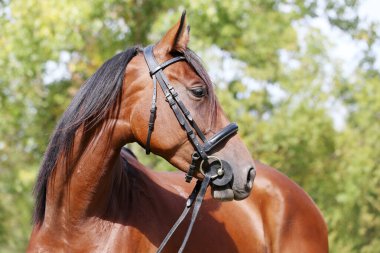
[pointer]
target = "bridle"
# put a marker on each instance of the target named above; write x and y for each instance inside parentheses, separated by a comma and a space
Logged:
(185, 119)
(216, 171)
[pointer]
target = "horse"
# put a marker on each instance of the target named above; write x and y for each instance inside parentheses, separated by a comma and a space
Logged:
(92, 195)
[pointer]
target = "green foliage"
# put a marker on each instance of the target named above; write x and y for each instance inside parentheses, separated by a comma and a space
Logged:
(357, 174)
(294, 133)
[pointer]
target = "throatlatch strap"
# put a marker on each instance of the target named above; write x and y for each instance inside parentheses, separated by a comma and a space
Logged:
(200, 187)
(152, 115)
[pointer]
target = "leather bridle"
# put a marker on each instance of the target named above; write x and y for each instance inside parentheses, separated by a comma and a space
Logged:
(216, 171)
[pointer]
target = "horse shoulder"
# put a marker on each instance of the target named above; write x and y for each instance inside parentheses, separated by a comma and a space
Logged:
(292, 221)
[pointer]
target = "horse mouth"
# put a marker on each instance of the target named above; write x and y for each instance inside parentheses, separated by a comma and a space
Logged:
(222, 193)
(227, 194)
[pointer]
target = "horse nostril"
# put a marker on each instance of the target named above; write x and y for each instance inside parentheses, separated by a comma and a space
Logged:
(250, 177)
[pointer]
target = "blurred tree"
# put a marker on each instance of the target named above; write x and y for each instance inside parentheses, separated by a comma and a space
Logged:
(355, 224)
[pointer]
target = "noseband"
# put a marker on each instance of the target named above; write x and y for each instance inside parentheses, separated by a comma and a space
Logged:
(216, 171)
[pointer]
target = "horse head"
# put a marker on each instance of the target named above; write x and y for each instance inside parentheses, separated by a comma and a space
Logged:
(172, 110)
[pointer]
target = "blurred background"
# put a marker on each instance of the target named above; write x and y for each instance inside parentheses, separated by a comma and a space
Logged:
(301, 78)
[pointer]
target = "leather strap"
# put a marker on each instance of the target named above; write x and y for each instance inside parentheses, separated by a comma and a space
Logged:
(198, 192)
(220, 136)
(180, 111)
(197, 206)
(152, 115)
(151, 61)
(173, 98)
(188, 124)
(167, 63)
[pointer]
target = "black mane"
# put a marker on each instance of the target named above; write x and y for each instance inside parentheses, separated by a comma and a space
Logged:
(91, 105)
(95, 100)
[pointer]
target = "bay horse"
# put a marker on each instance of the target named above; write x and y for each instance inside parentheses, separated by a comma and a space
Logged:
(92, 195)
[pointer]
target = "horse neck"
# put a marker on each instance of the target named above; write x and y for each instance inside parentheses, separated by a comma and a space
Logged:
(86, 188)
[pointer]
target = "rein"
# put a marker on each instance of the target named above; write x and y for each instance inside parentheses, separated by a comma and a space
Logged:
(216, 171)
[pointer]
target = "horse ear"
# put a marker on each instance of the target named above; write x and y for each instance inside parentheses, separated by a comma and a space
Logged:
(176, 39)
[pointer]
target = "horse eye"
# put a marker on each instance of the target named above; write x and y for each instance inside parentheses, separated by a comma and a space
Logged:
(199, 92)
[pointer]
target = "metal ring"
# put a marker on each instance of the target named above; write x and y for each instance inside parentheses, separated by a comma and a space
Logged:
(215, 159)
